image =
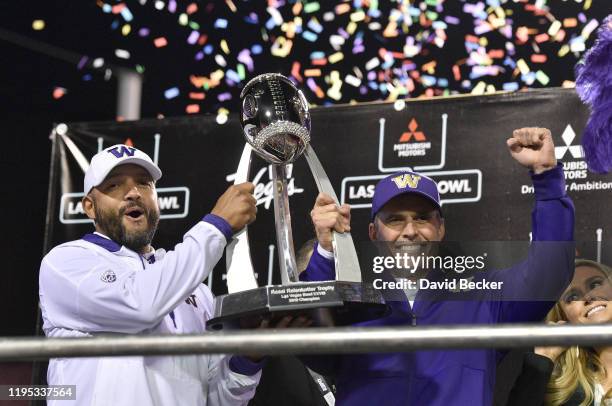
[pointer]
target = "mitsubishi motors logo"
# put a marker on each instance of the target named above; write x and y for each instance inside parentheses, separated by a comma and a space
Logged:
(406, 149)
(412, 127)
(568, 137)
(575, 169)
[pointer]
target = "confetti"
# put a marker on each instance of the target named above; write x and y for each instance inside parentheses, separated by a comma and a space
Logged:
(192, 109)
(312, 7)
(523, 67)
(222, 117)
(275, 18)
(127, 14)
(220, 23)
(372, 63)
(554, 28)
(480, 88)
(241, 71)
(82, 62)
(192, 8)
(312, 72)
(342, 8)
(220, 60)
(197, 95)
(38, 25)
(58, 92)
(309, 36)
(281, 47)
(337, 57)
(172, 6)
(224, 46)
(193, 37)
(160, 42)
(245, 57)
(570, 22)
(231, 5)
(232, 76)
(171, 93)
(589, 28)
(295, 71)
(225, 96)
(122, 54)
(315, 26)
(352, 80)
(183, 19)
(118, 8)
(510, 86)
(351, 51)
(542, 78)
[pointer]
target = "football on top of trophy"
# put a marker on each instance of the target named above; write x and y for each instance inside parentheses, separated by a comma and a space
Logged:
(275, 118)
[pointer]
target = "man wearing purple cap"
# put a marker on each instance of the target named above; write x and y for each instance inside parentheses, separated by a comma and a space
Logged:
(406, 212)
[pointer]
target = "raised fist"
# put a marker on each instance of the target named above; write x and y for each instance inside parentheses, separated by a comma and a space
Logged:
(533, 147)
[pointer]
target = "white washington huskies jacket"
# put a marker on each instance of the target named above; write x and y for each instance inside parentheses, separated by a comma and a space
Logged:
(94, 286)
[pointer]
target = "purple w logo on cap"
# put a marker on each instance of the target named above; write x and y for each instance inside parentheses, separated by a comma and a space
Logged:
(401, 183)
(119, 152)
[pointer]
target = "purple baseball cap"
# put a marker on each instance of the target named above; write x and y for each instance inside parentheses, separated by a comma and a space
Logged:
(404, 182)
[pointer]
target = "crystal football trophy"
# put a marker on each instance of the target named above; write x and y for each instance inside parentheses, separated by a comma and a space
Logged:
(276, 122)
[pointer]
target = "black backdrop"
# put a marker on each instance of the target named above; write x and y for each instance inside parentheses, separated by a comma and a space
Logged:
(459, 141)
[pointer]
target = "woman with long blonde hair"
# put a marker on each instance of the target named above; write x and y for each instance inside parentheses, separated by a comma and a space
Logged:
(582, 375)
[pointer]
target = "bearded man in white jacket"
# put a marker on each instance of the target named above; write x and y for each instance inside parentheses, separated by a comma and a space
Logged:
(113, 281)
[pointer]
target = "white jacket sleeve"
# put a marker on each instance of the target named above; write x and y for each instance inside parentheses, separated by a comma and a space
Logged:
(227, 387)
(231, 380)
(75, 296)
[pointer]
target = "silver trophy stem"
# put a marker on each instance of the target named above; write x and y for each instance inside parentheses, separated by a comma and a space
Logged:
(240, 273)
(284, 237)
(345, 256)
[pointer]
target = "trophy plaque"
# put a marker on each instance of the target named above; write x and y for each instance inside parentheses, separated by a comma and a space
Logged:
(276, 123)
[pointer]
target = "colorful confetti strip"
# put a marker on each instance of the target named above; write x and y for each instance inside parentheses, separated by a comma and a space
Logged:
(348, 51)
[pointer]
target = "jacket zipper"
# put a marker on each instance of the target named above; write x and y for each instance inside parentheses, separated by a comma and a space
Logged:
(142, 260)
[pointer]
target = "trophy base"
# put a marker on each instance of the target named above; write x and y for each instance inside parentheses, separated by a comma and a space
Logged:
(329, 303)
